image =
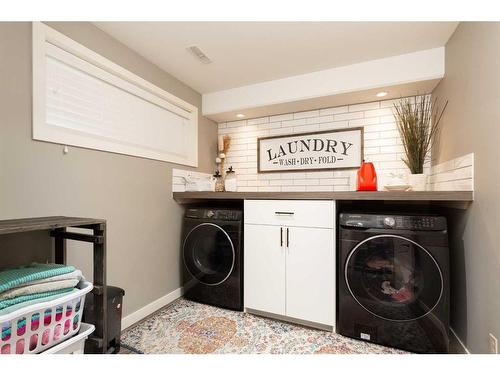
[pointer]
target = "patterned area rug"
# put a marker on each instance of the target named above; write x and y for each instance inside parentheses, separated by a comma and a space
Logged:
(189, 327)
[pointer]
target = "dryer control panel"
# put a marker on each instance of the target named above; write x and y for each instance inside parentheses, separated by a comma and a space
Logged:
(214, 214)
(394, 221)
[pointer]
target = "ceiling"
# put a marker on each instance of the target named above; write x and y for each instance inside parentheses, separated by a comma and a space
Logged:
(244, 53)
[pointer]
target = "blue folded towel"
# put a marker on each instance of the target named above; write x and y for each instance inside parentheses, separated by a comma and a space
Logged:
(15, 277)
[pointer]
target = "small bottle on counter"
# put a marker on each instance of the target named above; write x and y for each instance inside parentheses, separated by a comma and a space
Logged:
(230, 183)
(219, 181)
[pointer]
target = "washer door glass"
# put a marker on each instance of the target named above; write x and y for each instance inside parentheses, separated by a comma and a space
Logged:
(393, 278)
(209, 254)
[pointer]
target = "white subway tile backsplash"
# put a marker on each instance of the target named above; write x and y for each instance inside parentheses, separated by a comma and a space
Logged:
(269, 176)
(388, 118)
(238, 147)
(382, 146)
(380, 127)
(381, 142)
(257, 183)
(293, 188)
(372, 135)
(281, 182)
(391, 149)
(334, 181)
(334, 125)
(455, 174)
(296, 122)
(388, 103)
(364, 106)
(293, 175)
(378, 112)
(364, 121)
(348, 116)
(236, 124)
(306, 128)
(285, 117)
(344, 173)
(271, 125)
(334, 110)
(384, 157)
(320, 174)
(319, 120)
(257, 121)
(319, 188)
(269, 188)
(306, 114)
(306, 182)
(371, 150)
(342, 188)
(280, 131)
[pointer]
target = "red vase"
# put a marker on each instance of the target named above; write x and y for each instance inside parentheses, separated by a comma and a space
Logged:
(367, 178)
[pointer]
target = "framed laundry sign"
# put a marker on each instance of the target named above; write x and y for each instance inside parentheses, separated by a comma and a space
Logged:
(324, 150)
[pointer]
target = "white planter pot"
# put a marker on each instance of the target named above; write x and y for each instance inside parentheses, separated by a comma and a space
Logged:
(417, 181)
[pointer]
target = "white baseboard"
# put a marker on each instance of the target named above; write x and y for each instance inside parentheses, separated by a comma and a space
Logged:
(460, 341)
(151, 308)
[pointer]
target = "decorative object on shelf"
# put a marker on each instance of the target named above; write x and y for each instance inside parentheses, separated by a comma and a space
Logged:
(324, 150)
(367, 177)
(224, 141)
(418, 120)
(397, 187)
(219, 181)
(199, 183)
(397, 182)
(230, 180)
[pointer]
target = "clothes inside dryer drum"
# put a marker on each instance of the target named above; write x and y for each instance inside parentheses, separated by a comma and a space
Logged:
(393, 278)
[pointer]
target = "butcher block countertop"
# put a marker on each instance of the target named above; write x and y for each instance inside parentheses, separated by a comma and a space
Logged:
(429, 196)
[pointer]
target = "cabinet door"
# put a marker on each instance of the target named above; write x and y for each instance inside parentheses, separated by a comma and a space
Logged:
(264, 276)
(310, 275)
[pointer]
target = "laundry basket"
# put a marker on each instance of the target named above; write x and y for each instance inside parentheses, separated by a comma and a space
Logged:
(35, 328)
(73, 345)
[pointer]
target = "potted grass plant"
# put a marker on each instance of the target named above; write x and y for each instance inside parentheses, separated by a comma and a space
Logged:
(417, 119)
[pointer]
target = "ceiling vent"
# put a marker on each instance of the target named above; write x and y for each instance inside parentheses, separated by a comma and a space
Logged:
(198, 53)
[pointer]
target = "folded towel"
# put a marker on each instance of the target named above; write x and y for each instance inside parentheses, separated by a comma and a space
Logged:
(30, 297)
(15, 277)
(76, 274)
(38, 288)
(20, 305)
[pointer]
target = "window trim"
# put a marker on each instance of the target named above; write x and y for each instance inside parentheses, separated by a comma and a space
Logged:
(47, 42)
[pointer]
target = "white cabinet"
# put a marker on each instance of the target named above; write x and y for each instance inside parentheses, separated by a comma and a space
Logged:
(310, 275)
(290, 260)
(264, 269)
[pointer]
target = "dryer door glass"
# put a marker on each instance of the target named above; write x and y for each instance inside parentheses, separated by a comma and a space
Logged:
(209, 254)
(393, 278)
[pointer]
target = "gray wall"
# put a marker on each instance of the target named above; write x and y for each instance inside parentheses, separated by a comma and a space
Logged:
(472, 124)
(132, 194)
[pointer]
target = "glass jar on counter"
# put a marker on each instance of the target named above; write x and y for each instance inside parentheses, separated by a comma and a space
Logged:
(219, 181)
(230, 181)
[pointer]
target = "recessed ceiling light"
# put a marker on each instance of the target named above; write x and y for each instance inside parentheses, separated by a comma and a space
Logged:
(240, 115)
(381, 94)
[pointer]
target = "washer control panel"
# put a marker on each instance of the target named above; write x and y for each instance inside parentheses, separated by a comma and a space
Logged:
(213, 214)
(393, 221)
